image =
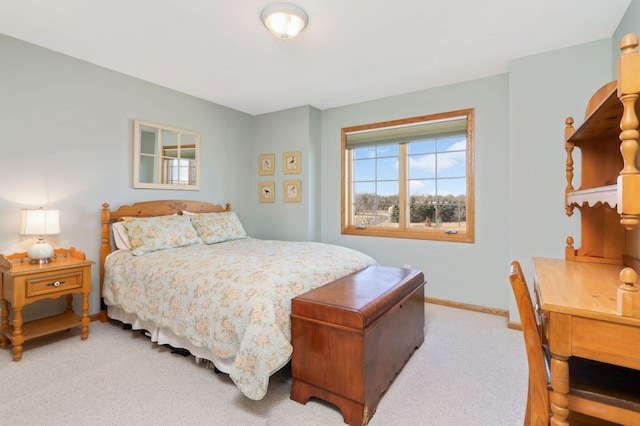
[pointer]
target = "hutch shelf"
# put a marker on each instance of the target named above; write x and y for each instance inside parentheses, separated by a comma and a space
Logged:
(608, 198)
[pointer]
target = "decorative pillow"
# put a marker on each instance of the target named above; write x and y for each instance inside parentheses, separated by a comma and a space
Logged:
(218, 227)
(120, 236)
(160, 232)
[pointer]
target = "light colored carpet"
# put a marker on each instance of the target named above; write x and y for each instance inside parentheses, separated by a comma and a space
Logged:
(471, 370)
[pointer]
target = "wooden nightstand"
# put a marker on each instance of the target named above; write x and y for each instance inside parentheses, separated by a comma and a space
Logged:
(22, 283)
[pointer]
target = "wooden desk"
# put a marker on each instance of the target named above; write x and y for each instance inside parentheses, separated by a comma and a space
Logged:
(579, 304)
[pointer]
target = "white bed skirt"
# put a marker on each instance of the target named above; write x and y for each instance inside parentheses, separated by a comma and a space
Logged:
(164, 336)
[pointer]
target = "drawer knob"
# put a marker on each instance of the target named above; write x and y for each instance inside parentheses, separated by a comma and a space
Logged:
(56, 283)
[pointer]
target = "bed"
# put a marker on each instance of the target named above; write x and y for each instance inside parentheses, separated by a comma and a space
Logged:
(190, 276)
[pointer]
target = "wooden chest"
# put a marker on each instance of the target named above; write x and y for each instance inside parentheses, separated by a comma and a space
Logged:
(351, 337)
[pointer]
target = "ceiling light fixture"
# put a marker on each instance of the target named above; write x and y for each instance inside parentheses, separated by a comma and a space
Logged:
(284, 20)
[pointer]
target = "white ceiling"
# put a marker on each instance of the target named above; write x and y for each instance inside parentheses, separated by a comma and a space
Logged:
(351, 50)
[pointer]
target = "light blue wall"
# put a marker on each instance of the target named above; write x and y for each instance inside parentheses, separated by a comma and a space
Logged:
(544, 90)
(66, 142)
(630, 24)
(568, 77)
(468, 273)
(295, 129)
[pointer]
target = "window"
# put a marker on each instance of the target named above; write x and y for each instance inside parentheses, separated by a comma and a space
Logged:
(179, 165)
(410, 178)
(179, 171)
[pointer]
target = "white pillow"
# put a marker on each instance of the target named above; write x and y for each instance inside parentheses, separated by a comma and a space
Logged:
(120, 236)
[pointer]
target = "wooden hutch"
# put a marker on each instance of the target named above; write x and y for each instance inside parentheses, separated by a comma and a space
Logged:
(609, 195)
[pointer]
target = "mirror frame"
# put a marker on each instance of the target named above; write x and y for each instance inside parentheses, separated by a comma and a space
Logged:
(137, 124)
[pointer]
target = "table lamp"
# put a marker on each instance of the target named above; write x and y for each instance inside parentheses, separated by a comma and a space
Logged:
(40, 222)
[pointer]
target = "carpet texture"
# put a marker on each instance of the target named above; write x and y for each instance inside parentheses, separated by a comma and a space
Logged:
(470, 370)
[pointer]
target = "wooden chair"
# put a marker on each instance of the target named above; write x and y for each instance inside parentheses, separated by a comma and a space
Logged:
(599, 393)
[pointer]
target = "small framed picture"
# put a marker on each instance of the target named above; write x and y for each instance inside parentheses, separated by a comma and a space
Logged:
(266, 191)
(291, 190)
(291, 162)
(266, 164)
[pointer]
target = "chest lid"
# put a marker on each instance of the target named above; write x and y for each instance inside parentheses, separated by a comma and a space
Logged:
(359, 298)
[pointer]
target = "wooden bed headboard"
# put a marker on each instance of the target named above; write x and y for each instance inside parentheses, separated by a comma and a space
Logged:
(145, 209)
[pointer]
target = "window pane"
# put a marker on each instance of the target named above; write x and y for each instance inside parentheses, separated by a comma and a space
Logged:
(389, 188)
(445, 213)
(391, 150)
(364, 170)
(454, 143)
(368, 152)
(364, 202)
(373, 202)
(387, 168)
(452, 214)
(454, 187)
(422, 166)
(388, 212)
(422, 187)
(422, 211)
(382, 189)
(451, 164)
(364, 188)
(423, 147)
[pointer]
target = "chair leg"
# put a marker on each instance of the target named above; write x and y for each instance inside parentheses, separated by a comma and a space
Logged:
(527, 414)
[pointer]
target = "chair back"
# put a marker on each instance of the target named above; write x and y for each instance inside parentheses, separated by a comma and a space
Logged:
(538, 398)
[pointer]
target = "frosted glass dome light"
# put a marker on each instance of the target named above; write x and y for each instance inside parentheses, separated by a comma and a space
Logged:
(285, 21)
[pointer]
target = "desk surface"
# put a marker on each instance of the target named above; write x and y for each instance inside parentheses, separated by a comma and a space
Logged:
(580, 306)
(579, 288)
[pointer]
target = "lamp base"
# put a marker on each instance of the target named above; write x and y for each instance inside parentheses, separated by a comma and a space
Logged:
(40, 261)
(40, 252)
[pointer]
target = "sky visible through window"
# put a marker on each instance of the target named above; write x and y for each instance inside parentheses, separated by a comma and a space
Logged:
(436, 167)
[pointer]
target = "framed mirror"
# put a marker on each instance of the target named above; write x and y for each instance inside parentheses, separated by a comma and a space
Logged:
(165, 157)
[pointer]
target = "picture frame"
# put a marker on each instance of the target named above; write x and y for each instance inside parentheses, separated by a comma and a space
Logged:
(292, 191)
(266, 192)
(291, 162)
(266, 164)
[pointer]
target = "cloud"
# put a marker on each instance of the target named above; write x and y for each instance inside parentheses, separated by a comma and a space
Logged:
(446, 160)
(422, 187)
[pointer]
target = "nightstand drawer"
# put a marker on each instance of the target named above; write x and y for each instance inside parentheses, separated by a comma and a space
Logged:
(53, 283)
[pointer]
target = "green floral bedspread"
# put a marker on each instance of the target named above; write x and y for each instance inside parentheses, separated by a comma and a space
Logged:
(233, 298)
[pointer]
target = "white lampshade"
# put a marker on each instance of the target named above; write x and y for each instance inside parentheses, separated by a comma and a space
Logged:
(285, 21)
(40, 222)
